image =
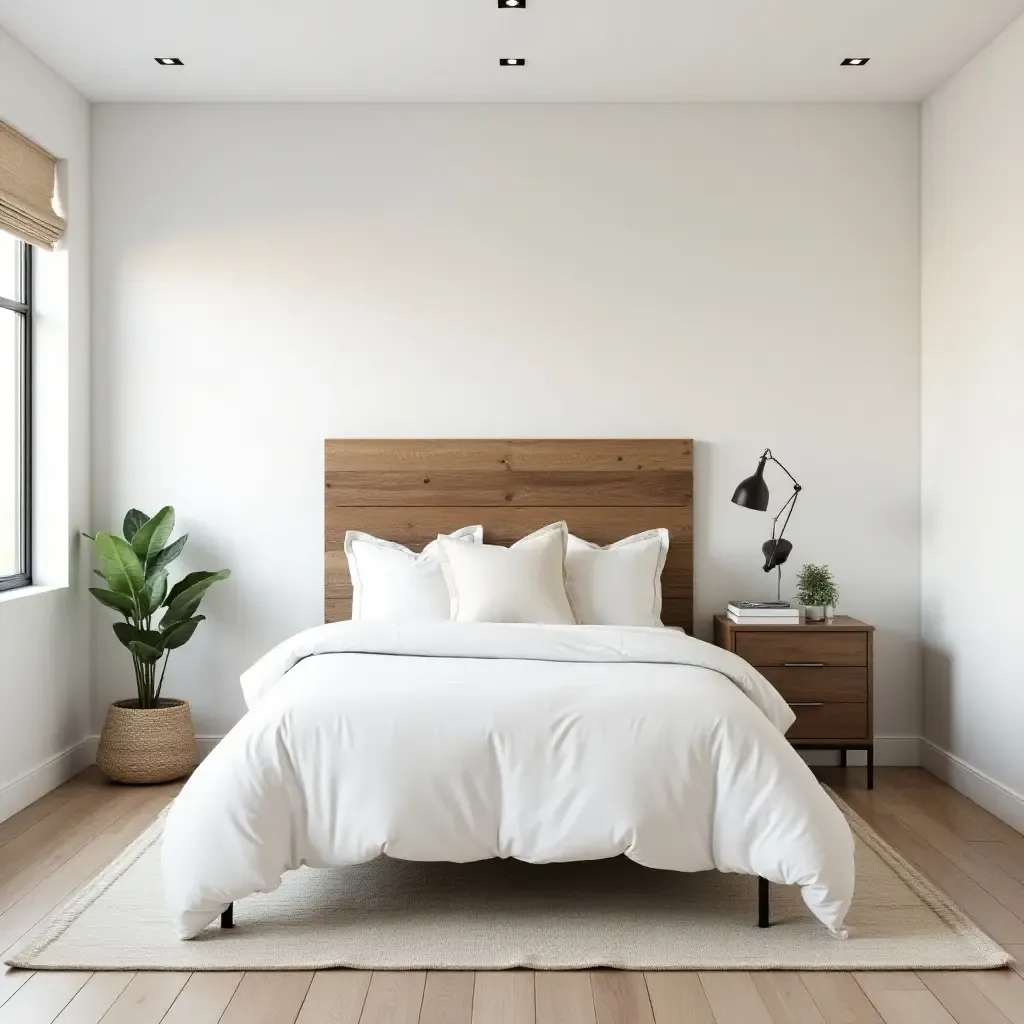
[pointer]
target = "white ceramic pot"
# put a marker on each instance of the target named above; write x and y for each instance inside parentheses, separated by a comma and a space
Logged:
(814, 613)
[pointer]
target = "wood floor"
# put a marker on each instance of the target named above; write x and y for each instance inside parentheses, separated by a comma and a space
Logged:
(52, 847)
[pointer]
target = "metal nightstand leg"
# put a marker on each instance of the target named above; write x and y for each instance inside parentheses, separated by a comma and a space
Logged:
(871, 767)
(227, 919)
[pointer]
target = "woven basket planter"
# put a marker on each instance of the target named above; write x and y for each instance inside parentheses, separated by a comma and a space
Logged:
(147, 744)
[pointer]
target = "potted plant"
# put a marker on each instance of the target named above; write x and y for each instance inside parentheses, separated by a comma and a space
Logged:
(148, 738)
(817, 591)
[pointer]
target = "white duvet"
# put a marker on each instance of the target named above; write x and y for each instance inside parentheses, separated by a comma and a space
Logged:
(464, 741)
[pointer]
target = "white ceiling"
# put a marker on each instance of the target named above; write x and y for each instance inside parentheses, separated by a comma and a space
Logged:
(691, 50)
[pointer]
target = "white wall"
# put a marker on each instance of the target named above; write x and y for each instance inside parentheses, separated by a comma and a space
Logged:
(268, 276)
(973, 425)
(44, 632)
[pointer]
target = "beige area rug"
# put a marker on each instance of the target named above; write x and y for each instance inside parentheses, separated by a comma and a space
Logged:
(394, 915)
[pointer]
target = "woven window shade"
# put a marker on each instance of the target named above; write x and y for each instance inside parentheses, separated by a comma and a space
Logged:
(27, 181)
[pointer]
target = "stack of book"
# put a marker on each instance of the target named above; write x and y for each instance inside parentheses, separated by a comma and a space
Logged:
(763, 613)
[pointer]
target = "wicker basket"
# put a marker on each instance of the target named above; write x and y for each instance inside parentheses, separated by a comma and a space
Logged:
(147, 744)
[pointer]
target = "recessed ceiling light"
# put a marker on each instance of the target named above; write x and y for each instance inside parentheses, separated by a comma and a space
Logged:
(169, 61)
(512, 62)
(855, 62)
(511, 3)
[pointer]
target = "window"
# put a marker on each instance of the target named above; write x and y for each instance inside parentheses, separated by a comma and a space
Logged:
(15, 412)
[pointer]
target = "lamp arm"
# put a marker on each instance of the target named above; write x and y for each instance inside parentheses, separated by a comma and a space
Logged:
(790, 505)
(768, 455)
(776, 541)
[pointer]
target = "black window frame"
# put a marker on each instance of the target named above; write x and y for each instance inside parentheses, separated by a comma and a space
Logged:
(25, 310)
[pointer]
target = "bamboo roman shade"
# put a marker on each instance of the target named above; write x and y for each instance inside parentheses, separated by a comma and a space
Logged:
(27, 181)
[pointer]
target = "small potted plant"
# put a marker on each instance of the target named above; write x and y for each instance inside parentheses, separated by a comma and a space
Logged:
(148, 738)
(817, 591)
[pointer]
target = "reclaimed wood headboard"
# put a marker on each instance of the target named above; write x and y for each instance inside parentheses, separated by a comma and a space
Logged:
(409, 491)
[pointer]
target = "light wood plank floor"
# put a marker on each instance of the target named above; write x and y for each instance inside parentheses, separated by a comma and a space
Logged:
(52, 847)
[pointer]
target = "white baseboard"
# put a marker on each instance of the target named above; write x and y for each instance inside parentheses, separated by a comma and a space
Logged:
(26, 789)
(204, 744)
(997, 799)
(890, 751)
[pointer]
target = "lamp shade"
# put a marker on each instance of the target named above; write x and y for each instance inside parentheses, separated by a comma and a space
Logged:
(753, 492)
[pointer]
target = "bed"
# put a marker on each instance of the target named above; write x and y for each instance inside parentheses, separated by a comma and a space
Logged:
(464, 741)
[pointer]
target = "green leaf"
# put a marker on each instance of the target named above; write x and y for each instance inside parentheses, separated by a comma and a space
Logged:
(152, 536)
(144, 652)
(154, 592)
(119, 602)
(180, 633)
(168, 555)
(133, 522)
(126, 632)
(183, 604)
(185, 612)
(120, 565)
(129, 634)
(185, 582)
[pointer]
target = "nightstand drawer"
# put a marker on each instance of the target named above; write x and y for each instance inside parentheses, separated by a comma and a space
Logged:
(821, 721)
(802, 646)
(829, 685)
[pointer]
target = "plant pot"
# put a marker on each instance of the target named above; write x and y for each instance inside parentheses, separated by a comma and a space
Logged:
(147, 744)
(830, 613)
(814, 613)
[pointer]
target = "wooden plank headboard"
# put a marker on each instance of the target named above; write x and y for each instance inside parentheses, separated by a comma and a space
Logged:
(410, 491)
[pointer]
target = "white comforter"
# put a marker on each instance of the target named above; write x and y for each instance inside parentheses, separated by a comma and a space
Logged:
(464, 741)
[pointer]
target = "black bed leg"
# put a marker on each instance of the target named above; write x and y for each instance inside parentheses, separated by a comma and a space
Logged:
(763, 904)
(227, 919)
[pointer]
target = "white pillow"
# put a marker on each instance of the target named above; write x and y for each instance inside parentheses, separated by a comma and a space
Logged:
(391, 583)
(521, 583)
(617, 585)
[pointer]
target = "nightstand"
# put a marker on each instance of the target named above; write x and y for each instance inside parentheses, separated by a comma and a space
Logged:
(823, 670)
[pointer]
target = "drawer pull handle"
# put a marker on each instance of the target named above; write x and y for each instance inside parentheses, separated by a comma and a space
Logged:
(806, 703)
(803, 664)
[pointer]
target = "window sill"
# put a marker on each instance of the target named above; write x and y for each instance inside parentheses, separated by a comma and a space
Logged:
(22, 592)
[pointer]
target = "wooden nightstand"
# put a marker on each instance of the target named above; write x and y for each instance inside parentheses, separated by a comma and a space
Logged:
(824, 672)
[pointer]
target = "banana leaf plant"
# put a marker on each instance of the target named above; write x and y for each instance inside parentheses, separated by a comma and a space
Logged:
(135, 570)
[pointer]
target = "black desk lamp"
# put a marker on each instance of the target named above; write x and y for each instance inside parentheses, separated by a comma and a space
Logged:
(753, 493)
